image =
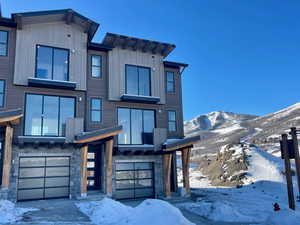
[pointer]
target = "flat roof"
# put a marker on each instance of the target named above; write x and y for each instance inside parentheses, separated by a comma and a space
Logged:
(179, 144)
(134, 43)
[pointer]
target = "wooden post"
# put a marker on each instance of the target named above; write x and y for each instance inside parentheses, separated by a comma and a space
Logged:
(288, 173)
(7, 156)
(297, 157)
(108, 159)
(83, 171)
(185, 157)
(167, 160)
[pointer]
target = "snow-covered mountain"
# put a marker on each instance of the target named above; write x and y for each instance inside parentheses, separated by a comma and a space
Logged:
(220, 128)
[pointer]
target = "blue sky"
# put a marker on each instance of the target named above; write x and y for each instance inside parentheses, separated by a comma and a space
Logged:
(244, 55)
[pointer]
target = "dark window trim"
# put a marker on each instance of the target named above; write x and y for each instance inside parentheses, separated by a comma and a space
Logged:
(100, 110)
(7, 39)
(173, 82)
(143, 109)
(4, 93)
(59, 96)
(173, 121)
(150, 87)
(36, 60)
(100, 66)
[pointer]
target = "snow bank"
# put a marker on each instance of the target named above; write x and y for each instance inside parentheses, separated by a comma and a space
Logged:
(9, 213)
(284, 217)
(149, 212)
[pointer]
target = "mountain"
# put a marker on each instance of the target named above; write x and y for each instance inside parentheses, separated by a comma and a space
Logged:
(221, 128)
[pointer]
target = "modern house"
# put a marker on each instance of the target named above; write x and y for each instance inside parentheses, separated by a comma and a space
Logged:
(80, 118)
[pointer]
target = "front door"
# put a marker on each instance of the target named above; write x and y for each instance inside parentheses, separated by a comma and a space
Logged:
(94, 169)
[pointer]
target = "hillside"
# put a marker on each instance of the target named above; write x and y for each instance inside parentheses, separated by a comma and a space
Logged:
(221, 128)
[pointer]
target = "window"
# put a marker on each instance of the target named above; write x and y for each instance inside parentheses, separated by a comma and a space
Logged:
(138, 80)
(96, 109)
(138, 125)
(172, 121)
(46, 115)
(52, 63)
(170, 82)
(2, 93)
(96, 66)
(3, 42)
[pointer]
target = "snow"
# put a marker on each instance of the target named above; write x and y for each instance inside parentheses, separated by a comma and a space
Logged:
(149, 212)
(228, 130)
(9, 213)
(284, 217)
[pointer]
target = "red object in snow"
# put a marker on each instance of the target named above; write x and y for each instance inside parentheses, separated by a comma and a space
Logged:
(276, 207)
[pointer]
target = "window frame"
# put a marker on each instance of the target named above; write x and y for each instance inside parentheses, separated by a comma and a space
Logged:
(173, 82)
(52, 63)
(4, 93)
(100, 66)
(6, 52)
(58, 121)
(100, 110)
(142, 109)
(172, 121)
(138, 81)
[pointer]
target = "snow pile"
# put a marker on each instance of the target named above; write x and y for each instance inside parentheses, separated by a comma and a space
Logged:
(149, 212)
(9, 213)
(283, 217)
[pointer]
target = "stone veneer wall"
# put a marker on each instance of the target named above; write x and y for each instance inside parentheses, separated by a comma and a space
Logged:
(56, 150)
(158, 170)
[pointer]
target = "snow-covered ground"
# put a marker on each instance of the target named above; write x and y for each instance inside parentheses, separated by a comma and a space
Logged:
(253, 203)
(149, 212)
(9, 213)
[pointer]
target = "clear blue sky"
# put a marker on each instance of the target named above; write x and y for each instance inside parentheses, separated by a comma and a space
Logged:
(244, 55)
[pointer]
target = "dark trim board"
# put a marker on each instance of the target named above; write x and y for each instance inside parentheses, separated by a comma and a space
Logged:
(47, 83)
(140, 99)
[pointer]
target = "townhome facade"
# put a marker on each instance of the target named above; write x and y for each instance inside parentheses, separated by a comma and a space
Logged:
(80, 118)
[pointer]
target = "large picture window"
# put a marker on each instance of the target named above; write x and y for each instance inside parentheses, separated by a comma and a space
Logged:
(52, 63)
(138, 80)
(170, 82)
(2, 93)
(3, 42)
(96, 66)
(172, 121)
(138, 125)
(46, 115)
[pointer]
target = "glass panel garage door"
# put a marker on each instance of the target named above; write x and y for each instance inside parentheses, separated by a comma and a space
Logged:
(134, 180)
(43, 177)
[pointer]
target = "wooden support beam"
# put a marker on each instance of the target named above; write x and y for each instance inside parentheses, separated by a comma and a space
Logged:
(185, 157)
(7, 156)
(108, 159)
(297, 156)
(83, 171)
(167, 160)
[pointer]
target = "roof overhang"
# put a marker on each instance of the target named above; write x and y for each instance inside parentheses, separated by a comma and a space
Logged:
(98, 47)
(137, 44)
(87, 137)
(68, 15)
(176, 65)
(181, 144)
(11, 117)
(7, 22)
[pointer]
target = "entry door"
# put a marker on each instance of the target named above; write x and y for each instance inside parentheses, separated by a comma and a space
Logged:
(94, 169)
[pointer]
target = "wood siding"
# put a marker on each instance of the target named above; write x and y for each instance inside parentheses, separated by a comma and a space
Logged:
(118, 58)
(59, 35)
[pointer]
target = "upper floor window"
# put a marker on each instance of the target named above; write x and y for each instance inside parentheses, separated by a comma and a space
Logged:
(138, 80)
(46, 115)
(172, 121)
(138, 125)
(2, 93)
(96, 109)
(96, 66)
(170, 82)
(52, 63)
(3, 42)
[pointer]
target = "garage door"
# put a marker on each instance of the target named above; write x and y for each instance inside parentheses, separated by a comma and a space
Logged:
(134, 180)
(43, 177)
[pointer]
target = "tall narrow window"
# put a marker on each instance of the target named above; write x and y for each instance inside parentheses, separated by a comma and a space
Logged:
(46, 115)
(52, 63)
(172, 121)
(96, 109)
(170, 82)
(2, 93)
(138, 80)
(96, 66)
(3, 42)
